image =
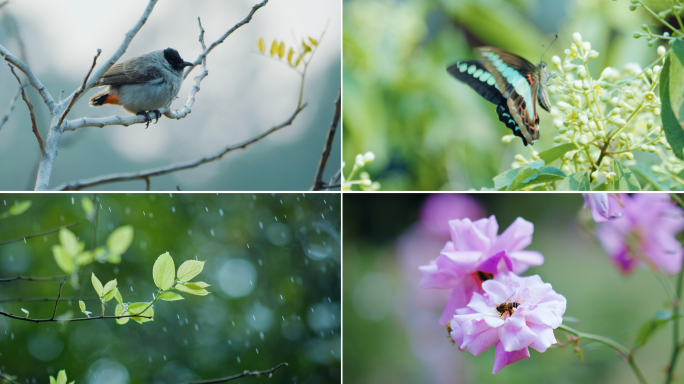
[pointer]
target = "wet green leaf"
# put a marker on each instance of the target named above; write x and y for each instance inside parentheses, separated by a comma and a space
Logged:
(164, 272)
(63, 259)
(189, 269)
(19, 208)
(120, 239)
(97, 285)
(170, 296)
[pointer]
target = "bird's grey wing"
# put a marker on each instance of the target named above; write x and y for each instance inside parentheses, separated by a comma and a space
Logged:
(133, 71)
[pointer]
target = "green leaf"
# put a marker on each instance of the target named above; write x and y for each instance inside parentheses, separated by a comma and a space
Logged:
(97, 285)
(114, 258)
(523, 177)
(61, 377)
(109, 290)
(555, 153)
(170, 296)
(163, 272)
(188, 270)
(19, 208)
(88, 207)
(118, 296)
(120, 239)
(135, 308)
(70, 242)
(84, 258)
(63, 259)
(52, 380)
(648, 328)
(672, 127)
(117, 312)
(201, 284)
(644, 171)
(25, 312)
(624, 178)
(81, 305)
(676, 79)
(502, 181)
(547, 174)
(192, 289)
(576, 182)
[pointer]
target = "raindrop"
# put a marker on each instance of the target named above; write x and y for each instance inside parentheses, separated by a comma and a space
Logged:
(24, 240)
(281, 201)
(110, 209)
(149, 358)
(257, 350)
(196, 258)
(322, 216)
(116, 270)
(212, 233)
(312, 310)
(196, 328)
(233, 323)
(72, 201)
(283, 318)
(261, 335)
(230, 342)
(186, 321)
(173, 209)
(247, 246)
(151, 215)
(206, 208)
(12, 335)
(190, 232)
(185, 341)
(164, 357)
(276, 219)
(164, 329)
(329, 301)
(281, 297)
(238, 359)
(250, 282)
(292, 279)
(178, 317)
(260, 262)
(131, 289)
(143, 213)
(254, 317)
(261, 225)
(221, 212)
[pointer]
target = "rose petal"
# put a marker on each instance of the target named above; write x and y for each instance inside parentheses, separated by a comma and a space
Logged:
(545, 337)
(480, 342)
(503, 358)
(515, 238)
(515, 336)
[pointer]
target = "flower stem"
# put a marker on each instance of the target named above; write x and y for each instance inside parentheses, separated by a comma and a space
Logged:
(675, 323)
(620, 349)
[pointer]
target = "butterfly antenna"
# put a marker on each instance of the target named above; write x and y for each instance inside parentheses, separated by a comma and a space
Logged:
(547, 48)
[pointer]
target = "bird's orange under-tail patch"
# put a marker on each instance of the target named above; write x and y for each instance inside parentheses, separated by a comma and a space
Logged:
(112, 98)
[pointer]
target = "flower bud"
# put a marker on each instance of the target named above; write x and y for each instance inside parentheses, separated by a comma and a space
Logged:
(556, 61)
(632, 7)
(657, 69)
(651, 148)
(577, 84)
(562, 105)
(359, 161)
(661, 51)
(569, 67)
(644, 27)
(507, 139)
(656, 111)
(629, 156)
(583, 118)
(607, 73)
(368, 157)
(629, 94)
(586, 46)
(592, 55)
(577, 38)
(643, 148)
(557, 123)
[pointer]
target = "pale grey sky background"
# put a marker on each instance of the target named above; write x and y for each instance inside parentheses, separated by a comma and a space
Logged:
(244, 94)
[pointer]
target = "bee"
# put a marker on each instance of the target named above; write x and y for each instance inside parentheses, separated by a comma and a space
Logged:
(448, 328)
(507, 308)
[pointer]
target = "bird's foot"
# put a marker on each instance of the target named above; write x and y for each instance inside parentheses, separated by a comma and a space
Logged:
(147, 117)
(157, 115)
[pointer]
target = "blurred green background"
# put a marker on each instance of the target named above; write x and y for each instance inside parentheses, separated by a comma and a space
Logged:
(273, 262)
(391, 325)
(431, 132)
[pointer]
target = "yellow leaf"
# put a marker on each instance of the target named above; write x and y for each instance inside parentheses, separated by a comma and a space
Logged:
(306, 47)
(289, 55)
(262, 48)
(281, 50)
(299, 60)
(313, 41)
(274, 47)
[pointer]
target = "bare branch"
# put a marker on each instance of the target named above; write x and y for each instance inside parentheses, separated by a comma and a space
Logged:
(123, 47)
(12, 316)
(54, 313)
(224, 37)
(11, 106)
(37, 234)
(318, 179)
(24, 299)
(34, 125)
(79, 91)
(33, 80)
(78, 185)
(37, 279)
(268, 373)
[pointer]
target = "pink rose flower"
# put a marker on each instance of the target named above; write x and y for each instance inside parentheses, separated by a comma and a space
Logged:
(645, 232)
(475, 254)
(513, 313)
(600, 208)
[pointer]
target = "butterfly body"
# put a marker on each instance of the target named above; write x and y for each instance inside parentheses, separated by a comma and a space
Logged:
(510, 82)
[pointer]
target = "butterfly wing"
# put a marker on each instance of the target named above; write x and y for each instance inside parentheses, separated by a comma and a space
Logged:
(518, 81)
(475, 74)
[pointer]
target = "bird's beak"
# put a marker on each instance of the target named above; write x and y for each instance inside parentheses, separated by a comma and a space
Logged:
(187, 64)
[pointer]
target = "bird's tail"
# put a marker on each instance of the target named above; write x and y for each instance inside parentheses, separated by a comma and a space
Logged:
(104, 98)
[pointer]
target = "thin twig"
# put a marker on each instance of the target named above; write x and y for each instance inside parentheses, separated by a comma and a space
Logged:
(147, 183)
(38, 234)
(318, 179)
(79, 91)
(54, 313)
(267, 372)
(335, 179)
(25, 299)
(78, 185)
(31, 278)
(2, 375)
(34, 125)
(11, 106)
(12, 316)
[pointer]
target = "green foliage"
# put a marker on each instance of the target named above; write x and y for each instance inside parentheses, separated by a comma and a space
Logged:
(118, 242)
(670, 81)
(97, 285)
(651, 326)
(189, 269)
(61, 378)
(88, 208)
(164, 272)
(18, 208)
(70, 254)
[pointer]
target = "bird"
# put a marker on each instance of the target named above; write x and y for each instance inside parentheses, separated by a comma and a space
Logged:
(143, 84)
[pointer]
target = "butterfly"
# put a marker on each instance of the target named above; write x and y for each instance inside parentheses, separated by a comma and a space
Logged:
(512, 83)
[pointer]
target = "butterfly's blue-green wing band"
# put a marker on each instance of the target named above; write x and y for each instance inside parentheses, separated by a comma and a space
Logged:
(475, 74)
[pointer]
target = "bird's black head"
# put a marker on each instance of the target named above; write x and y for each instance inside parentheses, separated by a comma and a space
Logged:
(174, 59)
